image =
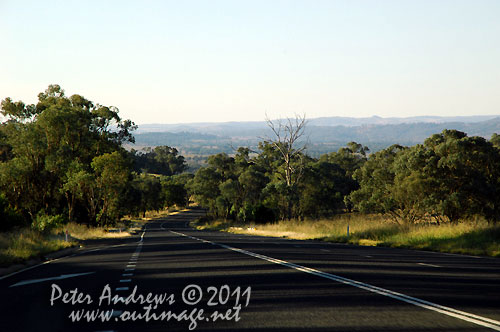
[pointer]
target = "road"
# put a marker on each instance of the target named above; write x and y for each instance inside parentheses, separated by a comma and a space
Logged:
(250, 283)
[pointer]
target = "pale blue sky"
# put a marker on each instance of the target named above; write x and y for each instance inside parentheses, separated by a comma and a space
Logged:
(192, 61)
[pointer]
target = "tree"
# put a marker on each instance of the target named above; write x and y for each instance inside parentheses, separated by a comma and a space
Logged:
(495, 140)
(448, 178)
(286, 137)
(452, 176)
(163, 160)
(150, 193)
(323, 189)
(205, 187)
(350, 158)
(175, 189)
(376, 181)
(112, 175)
(46, 152)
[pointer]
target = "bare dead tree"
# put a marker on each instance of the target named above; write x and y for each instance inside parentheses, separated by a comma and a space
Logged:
(287, 132)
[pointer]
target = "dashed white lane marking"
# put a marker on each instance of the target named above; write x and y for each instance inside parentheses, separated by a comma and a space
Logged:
(325, 250)
(476, 319)
(142, 235)
(121, 289)
(131, 265)
(129, 270)
(127, 274)
(368, 256)
(431, 265)
(125, 280)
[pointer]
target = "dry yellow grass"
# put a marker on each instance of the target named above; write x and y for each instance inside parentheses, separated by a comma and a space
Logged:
(82, 232)
(22, 245)
(468, 237)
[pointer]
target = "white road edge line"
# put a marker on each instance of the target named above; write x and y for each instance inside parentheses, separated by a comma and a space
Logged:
(62, 276)
(55, 260)
(476, 319)
(431, 265)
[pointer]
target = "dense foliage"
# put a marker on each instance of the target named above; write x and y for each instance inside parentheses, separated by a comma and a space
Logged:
(62, 160)
(448, 178)
(260, 186)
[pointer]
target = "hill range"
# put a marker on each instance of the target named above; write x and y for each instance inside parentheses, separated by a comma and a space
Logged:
(322, 135)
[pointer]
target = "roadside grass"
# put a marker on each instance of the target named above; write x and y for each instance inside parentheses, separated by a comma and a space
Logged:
(83, 232)
(18, 246)
(21, 245)
(468, 237)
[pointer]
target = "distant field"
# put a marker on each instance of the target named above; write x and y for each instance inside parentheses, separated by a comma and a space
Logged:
(472, 238)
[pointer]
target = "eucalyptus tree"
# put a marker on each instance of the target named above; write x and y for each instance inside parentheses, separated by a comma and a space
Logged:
(43, 142)
(376, 181)
(286, 140)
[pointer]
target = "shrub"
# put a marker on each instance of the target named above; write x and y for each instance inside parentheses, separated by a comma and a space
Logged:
(44, 222)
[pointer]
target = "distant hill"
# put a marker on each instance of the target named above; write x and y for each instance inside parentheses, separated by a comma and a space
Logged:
(323, 134)
(215, 127)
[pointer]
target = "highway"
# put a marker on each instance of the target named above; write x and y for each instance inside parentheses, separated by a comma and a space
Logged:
(170, 277)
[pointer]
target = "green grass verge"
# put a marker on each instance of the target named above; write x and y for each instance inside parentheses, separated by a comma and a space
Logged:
(472, 238)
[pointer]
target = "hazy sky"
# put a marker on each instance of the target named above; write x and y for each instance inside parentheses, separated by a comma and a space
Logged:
(192, 61)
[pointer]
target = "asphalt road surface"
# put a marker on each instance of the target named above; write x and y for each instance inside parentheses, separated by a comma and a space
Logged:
(172, 278)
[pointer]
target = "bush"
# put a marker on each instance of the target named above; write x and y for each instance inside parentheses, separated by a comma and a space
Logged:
(45, 223)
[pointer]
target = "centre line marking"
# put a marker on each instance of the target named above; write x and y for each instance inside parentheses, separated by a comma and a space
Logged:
(472, 318)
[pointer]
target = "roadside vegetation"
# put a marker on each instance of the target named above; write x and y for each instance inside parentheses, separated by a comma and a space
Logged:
(470, 237)
(19, 245)
(442, 195)
(63, 165)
